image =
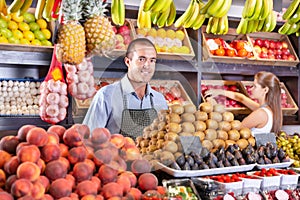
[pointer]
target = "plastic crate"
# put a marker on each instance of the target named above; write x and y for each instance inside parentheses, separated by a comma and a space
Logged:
(251, 185)
(268, 182)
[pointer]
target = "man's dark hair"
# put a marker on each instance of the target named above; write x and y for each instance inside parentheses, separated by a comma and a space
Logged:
(141, 41)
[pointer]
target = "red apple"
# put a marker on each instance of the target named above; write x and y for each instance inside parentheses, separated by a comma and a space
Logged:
(264, 50)
(263, 55)
(272, 44)
(277, 51)
(285, 51)
(284, 57)
(271, 56)
(278, 45)
(291, 57)
(258, 42)
(284, 44)
(115, 29)
(257, 49)
(278, 56)
(266, 43)
(124, 30)
(270, 51)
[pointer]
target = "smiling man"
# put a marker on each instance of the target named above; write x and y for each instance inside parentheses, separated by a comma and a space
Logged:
(129, 105)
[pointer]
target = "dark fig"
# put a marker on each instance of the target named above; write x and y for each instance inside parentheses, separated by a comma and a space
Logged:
(213, 157)
(229, 155)
(190, 160)
(195, 167)
(255, 156)
(281, 153)
(192, 153)
(211, 164)
(186, 166)
(242, 161)
(238, 154)
(220, 164)
(275, 160)
(181, 160)
(249, 159)
(204, 152)
(220, 153)
(261, 151)
(267, 160)
(286, 159)
(227, 163)
(274, 152)
(198, 159)
(261, 161)
(268, 153)
(248, 150)
(204, 166)
(236, 146)
(175, 166)
(230, 148)
(234, 162)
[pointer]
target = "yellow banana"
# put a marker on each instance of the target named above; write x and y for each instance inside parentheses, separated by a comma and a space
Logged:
(114, 10)
(148, 4)
(15, 6)
(147, 18)
(189, 21)
(261, 24)
(250, 26)
(163, 18)
(293, 29)
(249, 8)
(140, 20)
(3, 7)
(258, 7)
(242, 27)
(222, 25)
(155, 17)
(224, 9)
(267, 9)
(204, 9)
(209, 25)
(215, 25)
(39, 9)
(121, 12)
(273, 21)
(181, 20)
(215, 6)
(160, 5)
(284, 28)
(225, 31)
(296, 16)
(172, 14)
(199, 22)
(47, 10)
(26, 5)
(291, 9)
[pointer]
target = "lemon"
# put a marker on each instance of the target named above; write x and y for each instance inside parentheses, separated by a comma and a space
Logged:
(12, 25)
(3, 23)
(39, 35)
(184, 49)
(175, 49)
(47, 33)
(141, 31)
(13, 40)
(17, 34)
(34, 26)
(15, 16)
(29, 35)
(179, 34)
(23, 26)
(46, 43)
(6, 32)
(42, 23)
(3, 39)
(152, 32)
(28, 17)
(171, 33)
(161, 33)
(36, 42)
(25, 41)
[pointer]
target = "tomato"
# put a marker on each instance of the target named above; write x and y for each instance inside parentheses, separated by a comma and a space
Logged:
(239, 45)
(220, 52)
(230, 52)
(218, 41)
(242, 52)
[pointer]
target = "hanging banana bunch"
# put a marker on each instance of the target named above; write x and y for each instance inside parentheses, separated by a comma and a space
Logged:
(216, 8)
(217, 25)
(257, 15)
(118, 12)
(144, 18)
(3, 8)
(292, 15)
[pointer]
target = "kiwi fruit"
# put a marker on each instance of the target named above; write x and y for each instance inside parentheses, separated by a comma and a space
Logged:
(229, 142)
(161, 126)
(189, 108)
(188, 117)
(224, 125)
(166, 157)
(219, 108)
(170, 146)
(215, 116)
(176, 108)
(173, 118)
(251, 141)
(200, 115)
(160, 135)
(212, 124)
(161, 115)
(228, 116)
(222, 135)
(153, 125)
(160, 143)
(188, 127)
(236, 124)
(173, 127)
(199, 125)
(200, 134)
(245, 133)
(233, 135)
(207, 144)
(242, 143)
(210, 134)
(185, 134)
(171, 136)
(153, 133)
(144, 143)
(218, 143)
(206, 107)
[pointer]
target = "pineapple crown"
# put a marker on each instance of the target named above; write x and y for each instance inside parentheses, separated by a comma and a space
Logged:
(94, 7)
(72, 9)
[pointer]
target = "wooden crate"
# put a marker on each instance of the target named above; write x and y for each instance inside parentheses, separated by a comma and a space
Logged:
(285, 111)
(207, 56)
(274, 62)
(219, 84)
(170, 55)
(31, 48)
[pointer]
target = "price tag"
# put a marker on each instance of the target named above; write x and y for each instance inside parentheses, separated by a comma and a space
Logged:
(190, 144)
(264, 138)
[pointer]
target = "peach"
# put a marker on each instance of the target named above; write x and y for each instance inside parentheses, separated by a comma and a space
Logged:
(9, 181)
(6, 196)
(22, 132)
(58, 129)
(86, 187)
(4, 157)
(132, 153)
(102, 156)
(37, 136)
(64, 150)
(99, 197)
(147, 181)
(100, 135)
(29, 153)
(2, 178)
(28, 170)
(9, 143)
(89, 152)
(73, 196)
(21, 187)
(91, 164)
(115, 198)
(125, 182)
(53, 138)
(21, 144)
(55, 169)
(38, 190)
(47, 197)
(118, 140)
(121, 165)
(60, 188)
(50, 152)
(65, 161)
(128, 142)
(136, 193)
(42, 165)
(112, 189)
(26, 197)
(140, 166)
(161, 190)
(113, 149)
(107, 174)
(71, 180)
(10, 167)
(131, 176)
(68, 198)
(72, 137)
(82, 171)
(77, 154)
(44, 181)
(97, 182)
(83, 130)
(88, 197)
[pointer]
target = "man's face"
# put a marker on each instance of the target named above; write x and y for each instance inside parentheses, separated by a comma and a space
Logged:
(141, 64)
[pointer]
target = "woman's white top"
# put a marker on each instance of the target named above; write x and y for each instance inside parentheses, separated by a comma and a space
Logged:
(267, 128)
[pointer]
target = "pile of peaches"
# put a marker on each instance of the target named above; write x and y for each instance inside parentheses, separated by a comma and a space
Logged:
(60, 163)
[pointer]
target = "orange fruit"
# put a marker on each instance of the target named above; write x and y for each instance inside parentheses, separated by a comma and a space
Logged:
(220, 52)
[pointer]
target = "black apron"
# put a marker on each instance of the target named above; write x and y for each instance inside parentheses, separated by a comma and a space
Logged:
(135, 120)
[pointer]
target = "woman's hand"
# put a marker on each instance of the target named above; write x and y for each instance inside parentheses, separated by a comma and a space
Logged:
(214, 92)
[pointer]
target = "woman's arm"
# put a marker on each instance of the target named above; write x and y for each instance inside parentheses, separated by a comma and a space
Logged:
(235, 96)
(256, 119)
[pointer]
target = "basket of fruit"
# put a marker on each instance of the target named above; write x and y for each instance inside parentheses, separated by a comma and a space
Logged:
(270, 178)
(171, 43)
(289, 178)
(289, 107)
(230, 104)
(250, 183)
(229, 48)
(26, 33)
(273, 49)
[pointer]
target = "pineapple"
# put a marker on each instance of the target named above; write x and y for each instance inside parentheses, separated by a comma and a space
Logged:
(100, 37)
(71, 45)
